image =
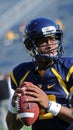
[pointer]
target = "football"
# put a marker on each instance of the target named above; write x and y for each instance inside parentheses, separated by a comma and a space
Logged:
(28, 112)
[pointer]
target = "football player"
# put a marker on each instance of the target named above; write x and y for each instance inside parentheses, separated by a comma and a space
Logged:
(50, 73)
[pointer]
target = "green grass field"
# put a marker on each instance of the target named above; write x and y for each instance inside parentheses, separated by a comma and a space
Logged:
(26, 128)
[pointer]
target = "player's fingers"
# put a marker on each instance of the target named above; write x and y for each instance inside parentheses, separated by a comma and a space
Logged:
(33, 89)
(32, 99)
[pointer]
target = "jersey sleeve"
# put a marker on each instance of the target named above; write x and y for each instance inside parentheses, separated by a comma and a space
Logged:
(19, 73)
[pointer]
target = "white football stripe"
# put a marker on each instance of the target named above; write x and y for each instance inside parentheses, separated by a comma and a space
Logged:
(26, 114)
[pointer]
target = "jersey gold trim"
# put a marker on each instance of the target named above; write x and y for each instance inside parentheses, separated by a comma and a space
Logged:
(60, 80)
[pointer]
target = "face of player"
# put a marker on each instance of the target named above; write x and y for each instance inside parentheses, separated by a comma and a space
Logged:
(48, 46)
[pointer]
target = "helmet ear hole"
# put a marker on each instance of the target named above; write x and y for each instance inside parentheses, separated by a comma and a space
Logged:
(60, 50)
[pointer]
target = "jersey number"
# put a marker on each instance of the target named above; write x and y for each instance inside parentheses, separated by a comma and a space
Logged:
(43, 114)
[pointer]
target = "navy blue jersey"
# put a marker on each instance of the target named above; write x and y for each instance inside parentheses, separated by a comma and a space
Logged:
(56, 82)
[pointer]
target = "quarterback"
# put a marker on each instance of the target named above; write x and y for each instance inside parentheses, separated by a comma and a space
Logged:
(50, 73)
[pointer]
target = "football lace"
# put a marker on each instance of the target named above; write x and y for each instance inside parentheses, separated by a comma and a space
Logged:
(17, 104)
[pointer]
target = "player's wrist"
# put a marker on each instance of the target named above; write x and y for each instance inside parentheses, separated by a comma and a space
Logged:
(12, 108)
(53, 107)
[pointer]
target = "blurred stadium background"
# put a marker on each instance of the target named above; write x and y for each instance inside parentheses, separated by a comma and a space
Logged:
(14, 14)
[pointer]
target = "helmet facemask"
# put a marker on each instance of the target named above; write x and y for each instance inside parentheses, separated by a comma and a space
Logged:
(51, 54)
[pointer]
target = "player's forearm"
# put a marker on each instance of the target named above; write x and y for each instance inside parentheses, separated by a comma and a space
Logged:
(62, 112)
(12, 122)
(66, 114)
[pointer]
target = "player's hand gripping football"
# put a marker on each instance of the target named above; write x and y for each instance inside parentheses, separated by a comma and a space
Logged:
(27, 99)
(37, 94)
